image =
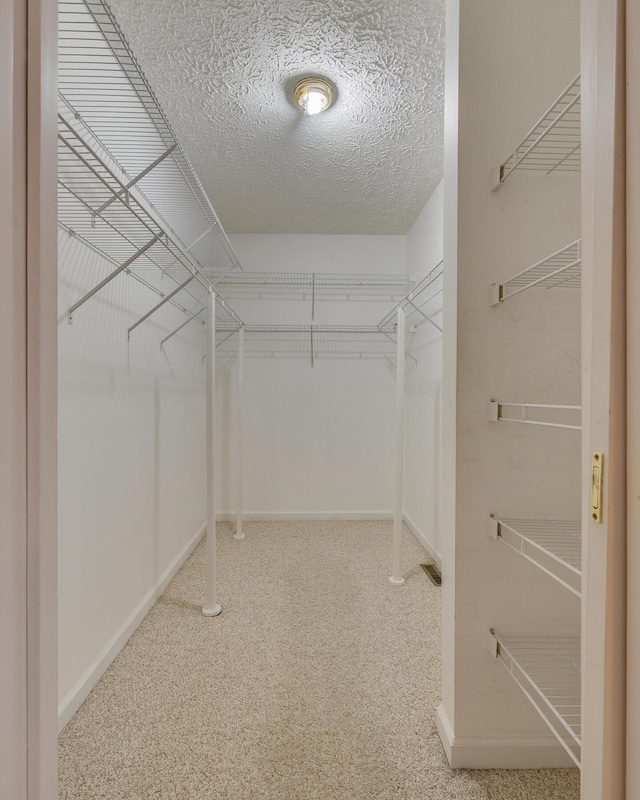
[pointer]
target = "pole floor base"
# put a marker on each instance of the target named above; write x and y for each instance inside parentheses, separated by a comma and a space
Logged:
(211, 612)
(238, 536)
(396, 581)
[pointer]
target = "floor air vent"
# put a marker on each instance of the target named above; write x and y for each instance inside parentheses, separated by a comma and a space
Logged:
(434, 573)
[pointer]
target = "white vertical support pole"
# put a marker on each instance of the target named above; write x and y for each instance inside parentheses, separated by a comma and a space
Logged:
(396, 573)
(212, 608)
(239, 534)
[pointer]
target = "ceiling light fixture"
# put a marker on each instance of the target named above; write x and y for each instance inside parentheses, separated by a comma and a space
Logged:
(313, 95)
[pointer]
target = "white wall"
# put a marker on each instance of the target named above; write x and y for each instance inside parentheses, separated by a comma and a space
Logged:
(423, 388)
(132, 425)
(513, 61)
(131, 462)
(317, 440)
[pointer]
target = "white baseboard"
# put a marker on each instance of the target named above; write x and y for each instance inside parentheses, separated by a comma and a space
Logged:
(83, 687)
(420, 536)
(511, 752)
(299, 516)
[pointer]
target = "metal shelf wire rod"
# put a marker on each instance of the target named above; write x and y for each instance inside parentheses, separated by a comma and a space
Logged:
(306, 282)
(328, 340)
(560, 269)
(73, 235)
(550, 415)
(222, 309)
(102, 85)
(422, 303)
(553, 546)
(88, 172)
(554, 141)
(103, 173)
(547, 669)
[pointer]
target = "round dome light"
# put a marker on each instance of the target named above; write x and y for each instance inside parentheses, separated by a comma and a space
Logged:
(313, 95)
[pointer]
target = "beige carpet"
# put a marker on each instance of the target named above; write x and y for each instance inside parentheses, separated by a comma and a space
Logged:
(318, 682)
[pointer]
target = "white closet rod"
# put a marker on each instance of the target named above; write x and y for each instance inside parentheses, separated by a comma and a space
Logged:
(396, 573)
(212, 607)
(239, 534)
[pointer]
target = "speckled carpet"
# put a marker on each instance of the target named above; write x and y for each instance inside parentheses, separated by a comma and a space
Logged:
(318, 681)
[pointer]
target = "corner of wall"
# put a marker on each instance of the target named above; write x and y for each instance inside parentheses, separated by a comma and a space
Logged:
(79, 693)
(499, 753)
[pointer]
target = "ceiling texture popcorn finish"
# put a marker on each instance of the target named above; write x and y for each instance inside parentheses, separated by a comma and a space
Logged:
(225, 72)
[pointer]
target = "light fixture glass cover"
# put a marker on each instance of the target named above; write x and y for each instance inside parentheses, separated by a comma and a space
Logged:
(313, 95)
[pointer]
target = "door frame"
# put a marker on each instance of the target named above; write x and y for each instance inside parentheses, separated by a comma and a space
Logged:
(604, 397)
(633, 397)
(28, 400)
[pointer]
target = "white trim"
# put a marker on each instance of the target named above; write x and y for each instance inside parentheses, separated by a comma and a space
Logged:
(83, 687)
(299, 516)
(510, 752)
(421, 537)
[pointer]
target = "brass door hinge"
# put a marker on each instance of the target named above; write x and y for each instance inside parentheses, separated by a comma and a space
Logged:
(597, 473)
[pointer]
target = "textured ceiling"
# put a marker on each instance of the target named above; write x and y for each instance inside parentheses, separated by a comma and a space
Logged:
(224, 69)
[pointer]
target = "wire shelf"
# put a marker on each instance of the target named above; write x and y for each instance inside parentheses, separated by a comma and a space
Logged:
(561, 269)
(306, 284)
(549, 415)
(101, 84)
(313, 341)
(547, 669)
(125, 187)
(121, 229)
(422, 304)
(554, 141)
(554, 546)
(312, 286)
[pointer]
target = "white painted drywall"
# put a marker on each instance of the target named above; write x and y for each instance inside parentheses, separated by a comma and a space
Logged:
(132, 450)
(513, 61)
(317, 440)
(131, 462)
(423, 388)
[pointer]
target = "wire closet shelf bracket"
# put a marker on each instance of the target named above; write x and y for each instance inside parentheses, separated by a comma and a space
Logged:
(549, 415)
(553, 144)
(561, 269)
(422, 304)
(554, 546)
(547, 669)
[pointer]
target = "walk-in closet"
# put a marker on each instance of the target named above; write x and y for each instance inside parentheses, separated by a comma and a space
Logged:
(321, 463)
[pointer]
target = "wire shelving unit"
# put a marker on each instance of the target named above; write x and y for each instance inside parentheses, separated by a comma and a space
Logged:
(128, 192)
(422, 304)
(554, 546)
(312, 286)
(560, 269)
(306, 285)
(553, 144)
(313, 341)
(125, 186)
(549, 415)
(547, 669)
